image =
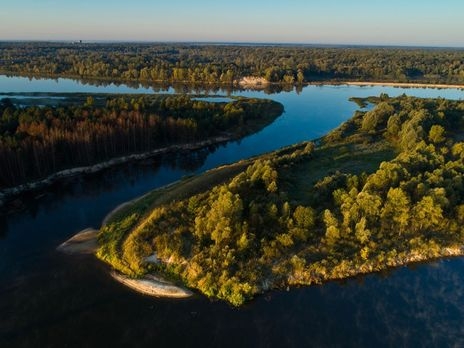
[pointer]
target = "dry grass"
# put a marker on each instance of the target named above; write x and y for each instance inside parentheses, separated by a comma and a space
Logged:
(177, 191)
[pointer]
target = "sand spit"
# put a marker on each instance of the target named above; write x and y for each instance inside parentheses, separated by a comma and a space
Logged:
(85, 242)
(153, 286)
(253, 82)
(403, 84)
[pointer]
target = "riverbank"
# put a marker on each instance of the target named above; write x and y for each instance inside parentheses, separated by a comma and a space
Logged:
(9, 194)
(403, 84)
(243, 83)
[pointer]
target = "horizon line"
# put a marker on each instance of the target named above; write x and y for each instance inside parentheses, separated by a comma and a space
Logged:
(231, 43)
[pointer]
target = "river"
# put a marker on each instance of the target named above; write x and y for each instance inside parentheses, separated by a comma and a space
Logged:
(52, 300)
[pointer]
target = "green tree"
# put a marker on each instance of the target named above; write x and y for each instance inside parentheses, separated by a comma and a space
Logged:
(362, 233)
(89, 101)
(426, 215)
(396, 211)
(332, 232)
(437, 134)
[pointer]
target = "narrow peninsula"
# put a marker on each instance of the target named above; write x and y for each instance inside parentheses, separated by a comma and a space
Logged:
(384, 189)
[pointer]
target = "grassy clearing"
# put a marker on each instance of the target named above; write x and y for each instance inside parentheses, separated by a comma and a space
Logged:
(299, 179)
(179, 190)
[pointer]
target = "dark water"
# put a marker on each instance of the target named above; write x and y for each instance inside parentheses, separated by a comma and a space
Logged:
(51, 300)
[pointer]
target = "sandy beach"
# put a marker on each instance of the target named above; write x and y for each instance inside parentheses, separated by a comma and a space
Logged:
(402, 84)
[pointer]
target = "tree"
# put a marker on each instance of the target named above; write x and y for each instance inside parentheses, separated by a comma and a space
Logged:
(304, 217)
(458, 150)
(426, 214)
(437, 134)
(332, 232)
(396, 211)
(377, 118)
(362, 233)
(300, 76)
(223, 218)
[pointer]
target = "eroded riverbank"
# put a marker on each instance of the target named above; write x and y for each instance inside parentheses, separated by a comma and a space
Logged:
(10, 193)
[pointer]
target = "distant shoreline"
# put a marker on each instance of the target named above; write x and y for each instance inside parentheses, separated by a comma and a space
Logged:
(403, 84)
(237, 85)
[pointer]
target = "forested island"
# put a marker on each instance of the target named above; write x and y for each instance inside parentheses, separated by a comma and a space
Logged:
(383, 189)
(230, 65)
(37, 140)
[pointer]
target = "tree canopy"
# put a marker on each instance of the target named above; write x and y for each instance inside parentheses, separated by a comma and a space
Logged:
(228, 64)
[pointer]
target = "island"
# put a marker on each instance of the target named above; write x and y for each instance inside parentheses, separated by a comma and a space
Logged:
(382, 190)
(39, 131)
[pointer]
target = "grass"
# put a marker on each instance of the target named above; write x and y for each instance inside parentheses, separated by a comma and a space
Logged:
(298, 179)
(179, 190)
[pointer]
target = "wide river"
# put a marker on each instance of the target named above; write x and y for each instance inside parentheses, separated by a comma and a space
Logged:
(52, 300)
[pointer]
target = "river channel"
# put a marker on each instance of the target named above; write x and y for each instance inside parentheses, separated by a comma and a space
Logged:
(48, 299)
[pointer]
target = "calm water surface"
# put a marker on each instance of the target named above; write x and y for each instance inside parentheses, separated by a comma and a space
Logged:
(51, 300)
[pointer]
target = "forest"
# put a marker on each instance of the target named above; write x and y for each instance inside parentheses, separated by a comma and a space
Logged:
(226, 65)
(382, 190)
(38, 140)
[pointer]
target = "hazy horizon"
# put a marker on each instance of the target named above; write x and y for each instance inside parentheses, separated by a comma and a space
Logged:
(232, 43)
(416, 23)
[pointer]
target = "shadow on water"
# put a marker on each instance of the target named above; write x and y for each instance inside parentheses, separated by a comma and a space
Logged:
(188, 161)
(105, 182)
(3, 226)
(420, 308)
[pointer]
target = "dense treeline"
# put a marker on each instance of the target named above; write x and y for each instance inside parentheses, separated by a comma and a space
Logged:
(226, 64)
(289, 218)
(36, 141)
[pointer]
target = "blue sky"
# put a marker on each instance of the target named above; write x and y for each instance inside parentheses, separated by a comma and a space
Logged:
(395, 22)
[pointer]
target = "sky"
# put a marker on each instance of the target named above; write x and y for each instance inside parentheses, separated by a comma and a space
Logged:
(364, 22)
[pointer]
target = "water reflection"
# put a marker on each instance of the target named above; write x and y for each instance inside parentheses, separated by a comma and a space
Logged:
(147, 87)
(189, 162)
(107, 180)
